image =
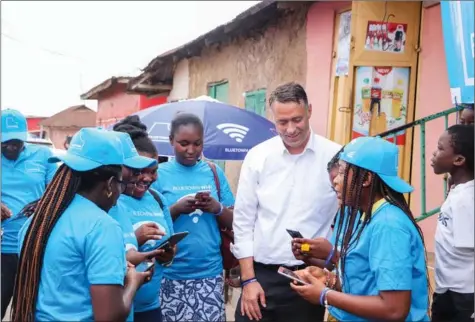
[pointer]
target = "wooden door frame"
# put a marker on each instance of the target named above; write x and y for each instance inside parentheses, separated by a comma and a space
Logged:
(332, 111)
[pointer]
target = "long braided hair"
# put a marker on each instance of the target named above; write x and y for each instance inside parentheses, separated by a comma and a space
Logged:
(349, 230)
(56, 199)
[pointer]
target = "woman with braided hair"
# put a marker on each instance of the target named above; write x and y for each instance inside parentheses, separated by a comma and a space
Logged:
(144, 219)
(377, 247)
(72, 267)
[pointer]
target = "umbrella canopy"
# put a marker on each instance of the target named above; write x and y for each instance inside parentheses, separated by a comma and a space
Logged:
(229, 132)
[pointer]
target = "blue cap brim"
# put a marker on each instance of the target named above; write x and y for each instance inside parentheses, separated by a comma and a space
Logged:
(396, 183)
(75, 162)
(139, 162)
(7, 136)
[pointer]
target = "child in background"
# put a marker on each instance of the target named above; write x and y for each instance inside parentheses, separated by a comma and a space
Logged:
(466, 117)
(454, 239)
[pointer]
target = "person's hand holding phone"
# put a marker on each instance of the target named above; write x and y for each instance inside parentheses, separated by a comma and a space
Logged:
(135, 278)
(312, 291)
(135, 257)
(320, 248)
(185, 205)
(167, 255)
(147, 232)
(206, 203)
(252, 294)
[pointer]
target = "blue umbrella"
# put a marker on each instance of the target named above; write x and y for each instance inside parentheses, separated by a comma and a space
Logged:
(229, 132)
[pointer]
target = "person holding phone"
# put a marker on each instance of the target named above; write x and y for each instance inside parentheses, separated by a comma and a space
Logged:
(25, 175)
(71, 266)
(283, 185)
(379, 252)
(144, 218)
(193, 286)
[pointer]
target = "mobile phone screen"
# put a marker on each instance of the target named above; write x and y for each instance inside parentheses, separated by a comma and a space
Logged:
(290, 275)
(144, 266)
(294, 233)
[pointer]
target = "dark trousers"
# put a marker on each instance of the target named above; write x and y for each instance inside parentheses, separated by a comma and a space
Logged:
(149, 316)
(452, 306)
(282, 303)
(9, 267)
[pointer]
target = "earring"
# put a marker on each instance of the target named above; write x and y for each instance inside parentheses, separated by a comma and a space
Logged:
(109, 194)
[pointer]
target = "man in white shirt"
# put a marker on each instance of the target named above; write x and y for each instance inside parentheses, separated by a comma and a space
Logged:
(283, 184)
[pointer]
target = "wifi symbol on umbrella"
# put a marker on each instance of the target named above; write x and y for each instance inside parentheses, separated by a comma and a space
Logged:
(235, 131)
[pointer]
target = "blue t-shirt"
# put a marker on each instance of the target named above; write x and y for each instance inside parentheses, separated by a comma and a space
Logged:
(198, 255)
(389, 256)
(23, 181)
(131, 213)
(82, 250)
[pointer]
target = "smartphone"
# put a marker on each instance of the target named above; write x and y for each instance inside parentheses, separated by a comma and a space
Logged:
(294, 233)
(199, 195)
(145, 266)
(291, 275)
(173, 240)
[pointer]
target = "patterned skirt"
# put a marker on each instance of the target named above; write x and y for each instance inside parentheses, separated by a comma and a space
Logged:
(200, 300)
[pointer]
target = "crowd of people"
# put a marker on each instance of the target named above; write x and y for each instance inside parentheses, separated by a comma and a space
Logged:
(78, 227)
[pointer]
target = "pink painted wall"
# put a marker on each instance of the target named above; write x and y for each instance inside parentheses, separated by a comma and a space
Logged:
(433, 96)
(320, 32)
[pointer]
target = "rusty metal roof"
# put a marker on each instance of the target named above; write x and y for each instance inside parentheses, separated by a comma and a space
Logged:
(157, 77)
(94, 93)
(73, 117)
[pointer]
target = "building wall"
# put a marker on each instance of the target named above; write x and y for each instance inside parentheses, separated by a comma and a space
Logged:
(34, 123)
(58, 135)
(114, 104)
(320, 34)
(146, 102)
(181, 82)
(276, 57)
(433, 96)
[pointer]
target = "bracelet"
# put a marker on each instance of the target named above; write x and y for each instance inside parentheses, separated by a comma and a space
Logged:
(326, 298)
(249, 281)
(322, 295)
(220, 210)
(330, 256)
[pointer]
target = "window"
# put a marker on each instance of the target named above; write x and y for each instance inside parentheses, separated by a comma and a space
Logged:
(256, 102)
(220, 92)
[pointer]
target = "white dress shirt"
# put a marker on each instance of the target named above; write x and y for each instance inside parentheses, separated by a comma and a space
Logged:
(279, 191)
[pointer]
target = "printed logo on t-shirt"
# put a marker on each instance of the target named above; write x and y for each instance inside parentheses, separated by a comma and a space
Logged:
(33, 166)
(443, 219)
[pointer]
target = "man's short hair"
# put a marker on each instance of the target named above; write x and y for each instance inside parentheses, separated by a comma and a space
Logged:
(289, 92)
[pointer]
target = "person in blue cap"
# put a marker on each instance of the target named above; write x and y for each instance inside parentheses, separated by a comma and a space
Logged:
(192, 288)
(25, 175)
(144, 218)
(379, 255)
(72, 263)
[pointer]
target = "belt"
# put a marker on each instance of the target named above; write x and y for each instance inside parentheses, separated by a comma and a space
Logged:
(275, 267)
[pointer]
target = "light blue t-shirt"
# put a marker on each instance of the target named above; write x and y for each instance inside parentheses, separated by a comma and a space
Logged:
(23, 181)
(199, 254)
(389, 256)
(82, 250)
(131, 213)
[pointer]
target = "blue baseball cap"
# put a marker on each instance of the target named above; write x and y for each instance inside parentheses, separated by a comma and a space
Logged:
(92, 148)
(379, 156)
(132, 159)
(14, 126)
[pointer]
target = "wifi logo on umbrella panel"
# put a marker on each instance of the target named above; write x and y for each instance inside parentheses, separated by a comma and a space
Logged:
(235, 131)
